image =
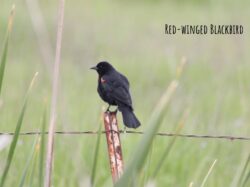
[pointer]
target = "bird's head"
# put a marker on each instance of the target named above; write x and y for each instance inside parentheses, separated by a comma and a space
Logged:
(103, 68)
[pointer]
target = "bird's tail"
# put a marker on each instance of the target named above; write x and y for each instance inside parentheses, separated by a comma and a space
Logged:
(129, 118)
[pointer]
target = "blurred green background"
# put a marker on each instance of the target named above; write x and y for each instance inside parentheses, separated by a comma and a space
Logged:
(130, 35)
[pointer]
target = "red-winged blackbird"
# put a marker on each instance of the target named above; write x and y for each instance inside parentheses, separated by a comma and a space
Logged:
(113, 88)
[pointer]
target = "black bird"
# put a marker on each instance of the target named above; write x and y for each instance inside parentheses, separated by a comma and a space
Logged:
(113, 88)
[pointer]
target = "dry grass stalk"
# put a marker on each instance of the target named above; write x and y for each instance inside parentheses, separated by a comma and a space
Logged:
(49, 158)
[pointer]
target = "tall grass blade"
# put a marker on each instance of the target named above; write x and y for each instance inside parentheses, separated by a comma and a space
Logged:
(31, 155)
(34, 163)
(13, 144)
(42, 149)
(93, 173)
(3, 61)
(208, 173)
(144, 145)
(191, 184)
(170, 145)
(180, 67)
(147, 165)
(243, 173)
(16, 134)
(246, 179)
(5, 48)
(53, 112)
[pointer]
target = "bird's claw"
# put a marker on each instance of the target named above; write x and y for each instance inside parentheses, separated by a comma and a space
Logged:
(108, 109)
(115, 111)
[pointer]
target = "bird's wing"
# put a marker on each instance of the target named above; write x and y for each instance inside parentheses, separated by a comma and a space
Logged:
(125, 80)
(118, 89)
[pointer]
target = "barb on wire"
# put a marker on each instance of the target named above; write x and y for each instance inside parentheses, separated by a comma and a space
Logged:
(226, 137)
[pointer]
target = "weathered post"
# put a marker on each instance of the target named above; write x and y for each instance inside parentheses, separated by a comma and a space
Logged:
(114, 145)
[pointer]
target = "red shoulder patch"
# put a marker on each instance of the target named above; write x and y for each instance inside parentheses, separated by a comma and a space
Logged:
(103, 80)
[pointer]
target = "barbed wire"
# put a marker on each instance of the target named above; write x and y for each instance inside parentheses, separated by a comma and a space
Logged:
(226, 137)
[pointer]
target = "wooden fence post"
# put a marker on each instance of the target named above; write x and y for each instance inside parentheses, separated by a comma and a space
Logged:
(114, 145)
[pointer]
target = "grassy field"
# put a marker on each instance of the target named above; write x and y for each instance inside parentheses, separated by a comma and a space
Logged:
(214, 87)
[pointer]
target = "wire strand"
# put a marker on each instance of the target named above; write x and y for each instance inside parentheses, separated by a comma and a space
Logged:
(226, 137)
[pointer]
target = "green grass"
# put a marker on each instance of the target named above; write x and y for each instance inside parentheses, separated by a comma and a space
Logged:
(96, 154)
(134, 167)
(214, 85)
(28, 163)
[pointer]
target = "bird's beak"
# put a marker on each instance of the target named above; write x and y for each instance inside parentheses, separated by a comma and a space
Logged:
(94, 68)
